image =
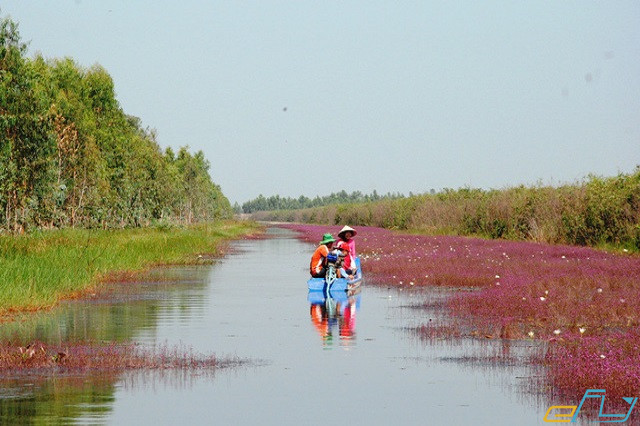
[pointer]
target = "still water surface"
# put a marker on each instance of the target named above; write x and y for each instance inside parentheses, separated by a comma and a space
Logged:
(362, 366)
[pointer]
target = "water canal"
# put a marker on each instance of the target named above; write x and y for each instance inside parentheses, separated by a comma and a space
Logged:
(363, 367)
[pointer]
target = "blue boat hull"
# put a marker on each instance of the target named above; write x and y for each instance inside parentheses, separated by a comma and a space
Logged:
(319, 297)
(340, 284)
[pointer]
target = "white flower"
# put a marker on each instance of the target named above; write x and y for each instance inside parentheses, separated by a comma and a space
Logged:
(582, 330)
(602, 356)
(625, 250)
(564, 257)
(497, 282)
(524, 298)
(497, 276)
(530, 334)
(556, 331)
(546, 292)
(543, 298)
(599, 290)
(411, 283)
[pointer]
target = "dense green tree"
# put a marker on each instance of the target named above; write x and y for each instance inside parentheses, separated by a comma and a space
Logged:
(26, 140)
(276, 202)
(69, 155)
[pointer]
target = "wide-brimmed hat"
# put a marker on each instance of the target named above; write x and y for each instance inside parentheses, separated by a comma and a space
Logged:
(347, 229)
(327, 238)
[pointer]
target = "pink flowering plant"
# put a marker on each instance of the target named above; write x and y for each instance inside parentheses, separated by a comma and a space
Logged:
(85, 356)
(583, 301)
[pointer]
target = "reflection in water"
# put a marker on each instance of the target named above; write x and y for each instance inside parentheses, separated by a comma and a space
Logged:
(30, 401)
(83, 399)
(335, 311)
(120, 312)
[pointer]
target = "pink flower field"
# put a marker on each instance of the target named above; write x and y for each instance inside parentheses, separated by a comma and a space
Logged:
(583, 301)
(77, 357)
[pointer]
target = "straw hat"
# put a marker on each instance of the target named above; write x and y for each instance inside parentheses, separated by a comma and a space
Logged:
(347, 229)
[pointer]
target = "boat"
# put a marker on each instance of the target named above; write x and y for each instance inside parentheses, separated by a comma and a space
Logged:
(339, 284)
(339, 296)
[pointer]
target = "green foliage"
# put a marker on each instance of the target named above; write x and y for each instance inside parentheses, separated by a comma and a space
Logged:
(275, 202)
(26, 140)
(596, 212)
(69, 155)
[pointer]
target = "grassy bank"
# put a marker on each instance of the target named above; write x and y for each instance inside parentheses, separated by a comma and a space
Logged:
(40, 268)
(600, 212)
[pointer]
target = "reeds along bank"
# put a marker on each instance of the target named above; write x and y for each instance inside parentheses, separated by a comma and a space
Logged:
(596, 211)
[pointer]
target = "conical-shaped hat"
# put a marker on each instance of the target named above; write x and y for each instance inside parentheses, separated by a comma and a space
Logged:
(347, 229)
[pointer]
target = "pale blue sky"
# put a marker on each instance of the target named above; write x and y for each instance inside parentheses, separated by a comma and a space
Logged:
(394, 96)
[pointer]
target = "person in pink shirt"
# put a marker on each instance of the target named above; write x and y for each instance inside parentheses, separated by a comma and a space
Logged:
(345, 236)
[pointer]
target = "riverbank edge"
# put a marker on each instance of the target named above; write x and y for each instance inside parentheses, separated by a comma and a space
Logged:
(620, 248)
(598, 212)
(40, 269)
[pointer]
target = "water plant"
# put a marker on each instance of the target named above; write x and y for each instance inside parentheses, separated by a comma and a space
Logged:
(74, 357)
(583, 301)
(608, 361)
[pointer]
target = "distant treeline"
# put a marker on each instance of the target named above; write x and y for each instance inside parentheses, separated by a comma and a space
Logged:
(275, 202)
(597, 211)
(69, 155)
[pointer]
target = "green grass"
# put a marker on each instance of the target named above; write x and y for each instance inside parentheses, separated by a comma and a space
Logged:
(40, 268)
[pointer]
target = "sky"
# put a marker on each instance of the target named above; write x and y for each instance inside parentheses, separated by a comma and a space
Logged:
(308, 98)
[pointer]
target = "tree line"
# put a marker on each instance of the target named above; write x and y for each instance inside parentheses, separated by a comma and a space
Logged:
(71, 157)
(597, 211)
(276, 202)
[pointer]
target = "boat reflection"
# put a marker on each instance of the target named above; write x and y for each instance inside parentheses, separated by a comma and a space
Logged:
(334, 315)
